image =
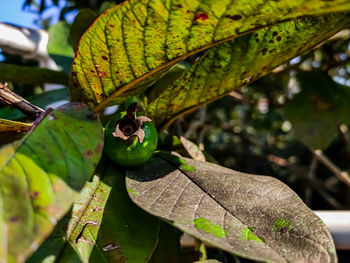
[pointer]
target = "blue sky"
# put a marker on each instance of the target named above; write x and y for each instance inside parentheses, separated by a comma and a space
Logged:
(11, 11)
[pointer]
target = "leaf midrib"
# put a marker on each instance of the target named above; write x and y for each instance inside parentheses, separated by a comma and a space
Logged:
(239, 219)
(167, 123)
(126, 87)
(226, 210)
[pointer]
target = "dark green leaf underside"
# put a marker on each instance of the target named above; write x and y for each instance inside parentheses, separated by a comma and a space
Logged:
(31, 75)
(234, 211)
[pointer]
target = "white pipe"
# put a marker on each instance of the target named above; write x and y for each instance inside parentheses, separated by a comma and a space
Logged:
(338, 223)
(29, 43)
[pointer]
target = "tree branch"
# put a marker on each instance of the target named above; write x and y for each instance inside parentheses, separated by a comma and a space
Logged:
(8, 97)
(342, 175)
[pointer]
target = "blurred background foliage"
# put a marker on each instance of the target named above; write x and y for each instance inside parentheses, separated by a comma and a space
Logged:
(292, 124)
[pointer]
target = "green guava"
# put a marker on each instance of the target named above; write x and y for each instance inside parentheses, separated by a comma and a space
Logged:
(130, 140)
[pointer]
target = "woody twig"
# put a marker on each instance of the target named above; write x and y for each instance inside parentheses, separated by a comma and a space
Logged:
(8, 97)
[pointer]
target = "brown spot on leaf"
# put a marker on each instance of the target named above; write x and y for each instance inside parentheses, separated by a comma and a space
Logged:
(101, 74)
(234, 17)
(14, 219)
(99, 148)
(263, 51)
(274, 33)
(111, 26)
(201, 16)
(35, 194)
(279, 38)
(104, 58)
(74, 74)
(88, 154)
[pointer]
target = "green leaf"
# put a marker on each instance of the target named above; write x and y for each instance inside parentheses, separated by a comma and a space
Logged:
(59, 46)
(317, 110)
(31, 75)
(40, 100)
(103, 226)
(82, 22)
(40, 177)
(127, 234)
(168, 248)
(59, 43)
(131, 45)
(75, 235)
(240, 62)
(234, 211)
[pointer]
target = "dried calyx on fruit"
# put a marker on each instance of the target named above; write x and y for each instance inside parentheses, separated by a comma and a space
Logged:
(130, 140)
(130, 125)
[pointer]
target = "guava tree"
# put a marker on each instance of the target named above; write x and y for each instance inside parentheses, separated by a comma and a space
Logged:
(64, 199)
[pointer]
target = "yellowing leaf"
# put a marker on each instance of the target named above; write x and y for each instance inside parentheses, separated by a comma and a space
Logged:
(239, 62)
(131, 45)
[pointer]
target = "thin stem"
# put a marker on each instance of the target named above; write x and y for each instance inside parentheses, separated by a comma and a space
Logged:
(314, 182)
(311, 176)
(8, 97)
(342, 175)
